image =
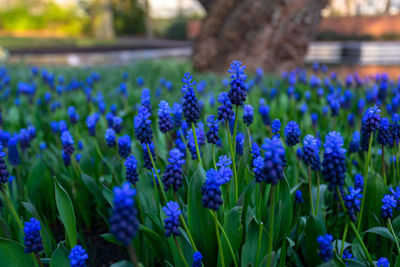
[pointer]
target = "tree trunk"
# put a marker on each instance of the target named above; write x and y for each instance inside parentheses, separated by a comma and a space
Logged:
(272, 34)
(103, 22)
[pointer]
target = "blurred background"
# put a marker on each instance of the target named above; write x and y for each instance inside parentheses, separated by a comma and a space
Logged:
(346, 34)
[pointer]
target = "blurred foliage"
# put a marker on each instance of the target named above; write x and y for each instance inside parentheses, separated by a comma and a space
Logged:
(176, 30)
(129, 17)
(49, 16)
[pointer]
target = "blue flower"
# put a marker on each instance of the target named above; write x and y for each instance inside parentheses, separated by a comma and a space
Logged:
(124, 224)
(255, 152)
(78, 257)
(359, 182)
(68, 143)
(239, 143)
(145, 99)
(384, 137)
(334, 163)
(237, 93)
(171, 223)
(4, 174)
(212, 134)
(91, 122)
(310, 153)
(299, 197)
(354, 146)
(197, 258)
(165, 120)
(124, 146)
(352, 202)
(225, 111)
(370, 123)
(225, 173)
(131, 169)
(13, 154)
(383, 262)
(389, 202)
(248, 114)
(110, 137)
(325, 247)
(32, 239)
(276, 126)
(274, 161)
(143, 131)
(173, 175)
(146, 156)
(211, 191)
(73, 116)
(117, 124)
(191, 107)
(110, 119)
(395, 128)
(177, 113)
(292, 133)
(264, 112)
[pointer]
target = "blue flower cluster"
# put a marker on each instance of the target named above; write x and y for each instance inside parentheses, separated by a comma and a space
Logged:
(32, 239)
(165, 120)
(292, 133)
(78, 257)
(325, 247)
(190, 105)
(310, 153)
(211, 190)
(124, 146)
(131, 169)
(173, 175)
(212, 134)
(389, 203)
(171, 223)
(4, 174)
(237, 93)
(352, 202)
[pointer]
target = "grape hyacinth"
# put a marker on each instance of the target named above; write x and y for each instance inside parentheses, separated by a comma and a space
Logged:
(292, 133)
(359, 182)
(211, 191)
(91, 122)
(239, 143)
(389, 202)
(274, 161)
(67, 143)
(78, 257)
(334, 162)
(173, 175)
(190, 105)
(32, 239)
(325, 247)
(354, 146)
(352, 202)
(310, 153)
(276, 127)
(225, 111)
(225, 172)
(237, 93)
(73, 116)
(165, 120)
(131, 170)
(212, 134)
(177, 114)
(299, 197)
(124, 224)
(382, 262)
(171, 223)
(384, 136)
(110, 137)
(197, 259)
(370, 123)
(117, 124)
(248, 114)
(4, 174)
(143, 130)
(13, 154)
(124, 146)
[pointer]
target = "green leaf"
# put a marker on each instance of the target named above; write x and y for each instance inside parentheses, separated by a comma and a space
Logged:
(66, 211)
(110, 238)
(92, 186)
(60, 257)
(315, 227)
(200, 222)
(373, 200)
(123, 263)
(285, 210)
(108, 195)
(249, 250)
(382, 231)
(233, 229)
(157, 243)
(12, 254)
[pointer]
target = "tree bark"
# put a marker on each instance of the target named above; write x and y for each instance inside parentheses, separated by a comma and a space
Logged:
(272, 34)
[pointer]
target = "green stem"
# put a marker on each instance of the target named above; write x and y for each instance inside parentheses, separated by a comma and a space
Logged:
(214, 214)
(11, 208)
(197, 145)
(390, 226)
(180, 252)
(103, 159)
(346, 227)
(316, 208)
(259, 242)
(188, 232)
(38, 260)
(353, 227)
(132, 255)
(365, 181)
(233, 161)
(271, 227)
(213, 153)
(156, 171)
(259, 202)
(235, 130)
(383, 165)
(310, 190)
